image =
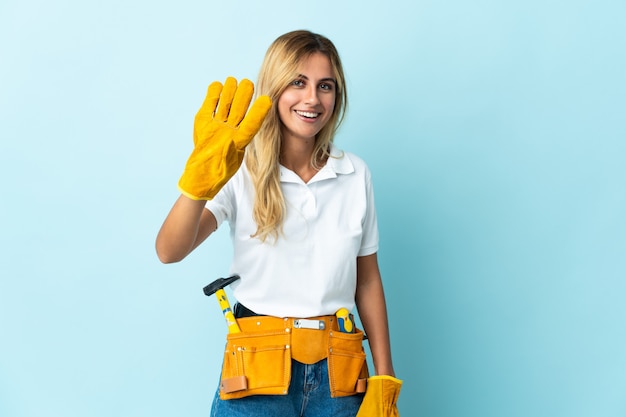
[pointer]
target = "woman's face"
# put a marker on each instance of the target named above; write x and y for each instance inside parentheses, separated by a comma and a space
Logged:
(308, 102)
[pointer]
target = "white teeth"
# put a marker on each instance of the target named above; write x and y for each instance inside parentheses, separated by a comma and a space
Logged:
(307, 114)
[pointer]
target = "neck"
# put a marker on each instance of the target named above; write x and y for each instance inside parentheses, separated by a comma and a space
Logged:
(296, 156)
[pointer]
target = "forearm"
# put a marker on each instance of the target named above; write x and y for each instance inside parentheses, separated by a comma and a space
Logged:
(185, 227)
(371, 305)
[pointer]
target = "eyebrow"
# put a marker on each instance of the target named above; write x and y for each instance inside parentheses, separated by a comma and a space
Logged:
(322, 80)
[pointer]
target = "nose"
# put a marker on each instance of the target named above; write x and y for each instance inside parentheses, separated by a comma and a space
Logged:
(311, 95)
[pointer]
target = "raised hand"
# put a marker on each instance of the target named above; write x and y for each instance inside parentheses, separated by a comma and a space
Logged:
(222, 130)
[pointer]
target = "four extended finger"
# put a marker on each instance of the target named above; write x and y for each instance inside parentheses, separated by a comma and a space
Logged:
(242, 99)
(253, 121)
(226, 99)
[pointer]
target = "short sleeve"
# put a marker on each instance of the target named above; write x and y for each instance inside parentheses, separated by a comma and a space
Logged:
(369, 241)
(223, 204)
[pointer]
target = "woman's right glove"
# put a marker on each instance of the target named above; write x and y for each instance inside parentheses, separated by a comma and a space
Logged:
(222, 130)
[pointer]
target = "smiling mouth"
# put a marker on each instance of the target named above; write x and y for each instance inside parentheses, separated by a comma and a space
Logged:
(308, 114)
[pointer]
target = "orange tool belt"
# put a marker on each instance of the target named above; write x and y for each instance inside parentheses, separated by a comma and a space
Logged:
(257, 361)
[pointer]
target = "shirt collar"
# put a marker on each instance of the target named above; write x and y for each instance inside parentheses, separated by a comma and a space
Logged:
(338, 163)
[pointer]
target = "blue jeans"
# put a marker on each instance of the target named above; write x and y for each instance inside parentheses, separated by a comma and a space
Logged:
(309, 396)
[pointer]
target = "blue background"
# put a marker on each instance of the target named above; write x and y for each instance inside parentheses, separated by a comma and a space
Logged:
(496, 135)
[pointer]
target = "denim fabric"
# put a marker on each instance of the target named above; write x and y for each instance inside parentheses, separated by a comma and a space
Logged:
(309, 396)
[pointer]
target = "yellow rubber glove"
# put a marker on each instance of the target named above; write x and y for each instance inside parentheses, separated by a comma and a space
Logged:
(221, 134)
(381, 397)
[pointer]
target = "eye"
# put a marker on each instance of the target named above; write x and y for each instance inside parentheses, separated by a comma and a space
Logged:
(297, 83)
(326, 86)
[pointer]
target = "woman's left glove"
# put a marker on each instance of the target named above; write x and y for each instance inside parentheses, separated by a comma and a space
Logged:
(381, 397)
(222, 130)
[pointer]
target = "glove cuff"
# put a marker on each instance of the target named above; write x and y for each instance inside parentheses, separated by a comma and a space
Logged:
(387, 378)
(189, 195)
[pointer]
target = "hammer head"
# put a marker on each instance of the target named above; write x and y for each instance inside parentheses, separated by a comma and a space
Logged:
(219, 283)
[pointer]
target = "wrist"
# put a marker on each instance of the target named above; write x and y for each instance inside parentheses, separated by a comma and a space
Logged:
(384, 370)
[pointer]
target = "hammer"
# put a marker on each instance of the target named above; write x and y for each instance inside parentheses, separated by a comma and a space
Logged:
(217, 288)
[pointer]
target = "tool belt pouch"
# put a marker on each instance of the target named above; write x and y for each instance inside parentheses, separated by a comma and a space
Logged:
(256, 363)
(347, 366)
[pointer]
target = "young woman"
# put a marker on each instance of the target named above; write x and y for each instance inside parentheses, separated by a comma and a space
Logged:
(303, 224)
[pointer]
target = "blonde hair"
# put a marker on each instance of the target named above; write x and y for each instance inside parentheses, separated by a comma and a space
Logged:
(279, 69)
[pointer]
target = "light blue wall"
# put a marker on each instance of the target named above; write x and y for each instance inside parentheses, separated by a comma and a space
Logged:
(495, 132)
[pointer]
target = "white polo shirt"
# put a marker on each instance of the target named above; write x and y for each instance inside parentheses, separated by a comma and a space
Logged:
(311, 269)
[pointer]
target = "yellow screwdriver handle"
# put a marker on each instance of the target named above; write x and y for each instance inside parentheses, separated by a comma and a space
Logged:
(231, 322)
(345, 321)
